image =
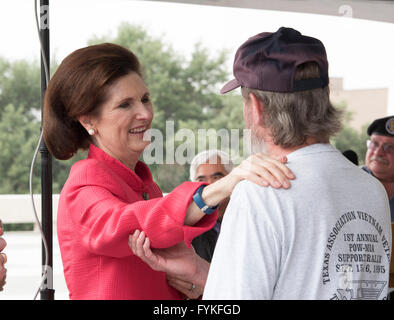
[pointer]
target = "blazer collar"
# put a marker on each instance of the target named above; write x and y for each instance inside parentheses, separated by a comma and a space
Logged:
(139, 179)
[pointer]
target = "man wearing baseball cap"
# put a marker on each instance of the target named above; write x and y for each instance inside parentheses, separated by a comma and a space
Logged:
(329, 235)
(379, 159)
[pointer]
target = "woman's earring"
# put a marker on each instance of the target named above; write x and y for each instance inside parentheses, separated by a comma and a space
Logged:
(91, 132)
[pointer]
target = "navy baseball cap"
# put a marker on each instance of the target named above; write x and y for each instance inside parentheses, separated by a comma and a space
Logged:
(268, 61)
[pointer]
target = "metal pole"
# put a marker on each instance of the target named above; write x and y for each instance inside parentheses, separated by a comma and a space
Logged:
(47, 292)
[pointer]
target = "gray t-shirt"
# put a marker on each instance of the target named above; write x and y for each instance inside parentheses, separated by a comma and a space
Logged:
(327, 237)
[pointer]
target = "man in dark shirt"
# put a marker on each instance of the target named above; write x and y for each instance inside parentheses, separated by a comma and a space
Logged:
(209, 166)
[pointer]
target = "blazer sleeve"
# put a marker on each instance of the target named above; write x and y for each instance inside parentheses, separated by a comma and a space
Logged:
(104, 221)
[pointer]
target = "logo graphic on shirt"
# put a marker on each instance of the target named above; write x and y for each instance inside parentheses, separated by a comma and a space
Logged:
(357, 258)
(390, 125)
(362, 290)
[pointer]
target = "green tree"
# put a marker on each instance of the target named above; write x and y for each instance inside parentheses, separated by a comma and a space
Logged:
(20, 104)
(20, 86)
(19, 135)
(18, 138)
(349, 138)
(229, 117)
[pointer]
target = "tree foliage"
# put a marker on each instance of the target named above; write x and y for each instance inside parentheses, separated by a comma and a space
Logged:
(20, 86)
(350, 138)
(20, 104)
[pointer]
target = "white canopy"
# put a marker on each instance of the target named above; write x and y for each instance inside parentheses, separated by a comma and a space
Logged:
(362, 9)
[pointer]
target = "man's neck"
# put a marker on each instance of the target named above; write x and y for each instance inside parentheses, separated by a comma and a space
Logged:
(278, 152)
(389, 186)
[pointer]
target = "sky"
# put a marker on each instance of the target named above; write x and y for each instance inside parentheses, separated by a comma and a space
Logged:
(360, 51)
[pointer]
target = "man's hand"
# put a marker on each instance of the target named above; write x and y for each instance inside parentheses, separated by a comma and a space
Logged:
(3, 259)
(189, 289)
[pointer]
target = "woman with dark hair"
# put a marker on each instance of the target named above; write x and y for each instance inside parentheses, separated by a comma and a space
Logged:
(97, 100)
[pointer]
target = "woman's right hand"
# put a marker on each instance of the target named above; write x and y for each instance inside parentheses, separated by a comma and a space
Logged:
(263, 170)
(258, 168)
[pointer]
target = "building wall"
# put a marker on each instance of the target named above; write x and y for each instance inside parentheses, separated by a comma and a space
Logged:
(366, 105)
(17, 208)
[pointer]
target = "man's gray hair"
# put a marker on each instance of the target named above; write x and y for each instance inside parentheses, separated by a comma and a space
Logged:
(211, 156)
(292, 117)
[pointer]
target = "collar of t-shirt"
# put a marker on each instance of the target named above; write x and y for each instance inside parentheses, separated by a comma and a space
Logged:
(313, 148)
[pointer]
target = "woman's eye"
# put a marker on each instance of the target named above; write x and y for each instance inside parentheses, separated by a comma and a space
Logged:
(145, 99)
(124, 105)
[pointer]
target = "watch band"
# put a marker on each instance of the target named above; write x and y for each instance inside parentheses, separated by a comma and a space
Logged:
(200, 202)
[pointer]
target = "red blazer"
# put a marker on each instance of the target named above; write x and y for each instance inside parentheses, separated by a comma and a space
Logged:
(100, 205)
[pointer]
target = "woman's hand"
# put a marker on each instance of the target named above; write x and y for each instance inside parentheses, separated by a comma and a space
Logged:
(263, 170)
(3, 259)
(258, 168)
(185, 270)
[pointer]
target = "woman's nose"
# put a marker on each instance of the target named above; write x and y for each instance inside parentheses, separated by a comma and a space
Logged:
(144, 112)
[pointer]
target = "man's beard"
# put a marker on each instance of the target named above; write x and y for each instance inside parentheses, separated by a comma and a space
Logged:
(258, 144)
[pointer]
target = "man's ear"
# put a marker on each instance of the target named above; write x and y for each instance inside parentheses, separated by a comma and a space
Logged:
(257, 108)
